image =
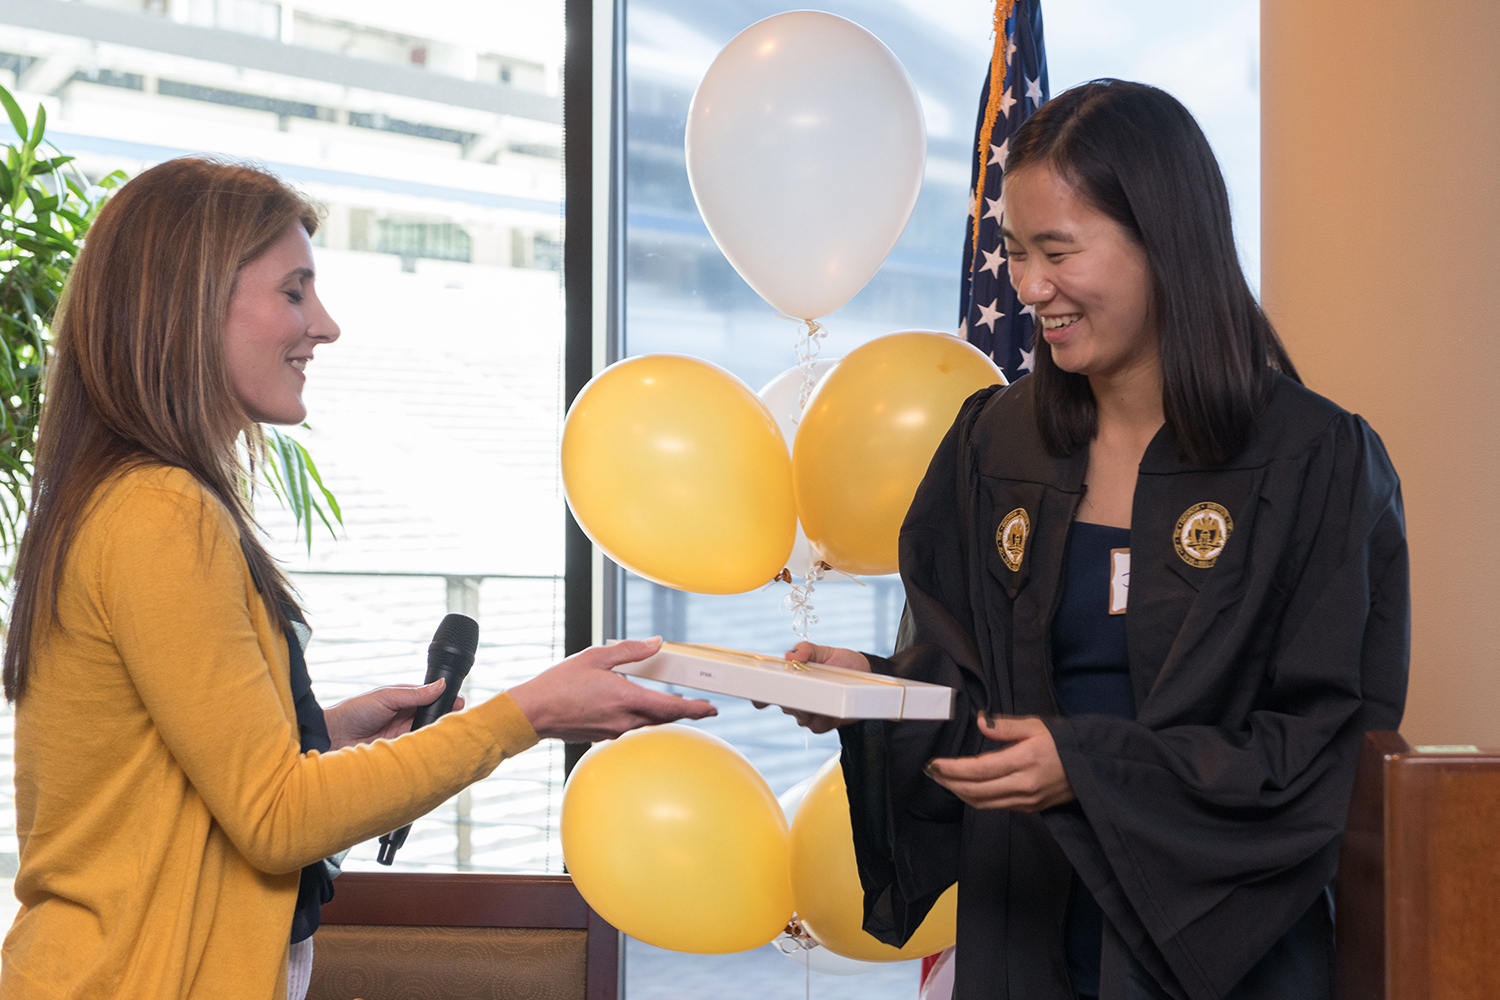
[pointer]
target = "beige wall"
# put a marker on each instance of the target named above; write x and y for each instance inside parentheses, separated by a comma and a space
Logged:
(1381, 245)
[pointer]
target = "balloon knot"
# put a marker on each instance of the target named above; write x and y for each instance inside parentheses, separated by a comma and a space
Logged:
(797, 939)
(785, 576)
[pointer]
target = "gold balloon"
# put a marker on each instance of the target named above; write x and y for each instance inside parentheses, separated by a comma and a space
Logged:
(867, 436)
(678, 472)
(825, 881)
(675, 839)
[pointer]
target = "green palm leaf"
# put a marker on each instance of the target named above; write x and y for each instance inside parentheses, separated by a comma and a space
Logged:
(292, 476)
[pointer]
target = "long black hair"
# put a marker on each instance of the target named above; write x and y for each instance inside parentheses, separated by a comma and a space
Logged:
(1135, 153)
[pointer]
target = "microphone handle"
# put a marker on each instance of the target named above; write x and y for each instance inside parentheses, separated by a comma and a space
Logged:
(429, 714)
(391, 842)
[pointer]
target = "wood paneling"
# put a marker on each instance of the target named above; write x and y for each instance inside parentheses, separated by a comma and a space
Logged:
(425, 901)
(1359, 892)
(456, 900)
(1419, 878)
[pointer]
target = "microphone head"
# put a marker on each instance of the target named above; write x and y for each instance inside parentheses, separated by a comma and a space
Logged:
(456, 639)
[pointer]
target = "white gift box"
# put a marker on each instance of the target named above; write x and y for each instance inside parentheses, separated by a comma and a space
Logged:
(806, 687)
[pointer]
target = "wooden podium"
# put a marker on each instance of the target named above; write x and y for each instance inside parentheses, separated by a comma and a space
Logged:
(1418, 890)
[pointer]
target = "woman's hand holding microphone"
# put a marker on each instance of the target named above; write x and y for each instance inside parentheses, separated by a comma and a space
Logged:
(579, 700)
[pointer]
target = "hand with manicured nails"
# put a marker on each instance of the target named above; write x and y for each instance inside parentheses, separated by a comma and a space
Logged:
(582, 700)
(382, 714)
(1026, 776)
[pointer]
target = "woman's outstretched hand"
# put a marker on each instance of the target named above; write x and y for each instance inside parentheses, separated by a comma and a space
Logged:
(1026, 776)
(382, 714)
(582, 700)
(834, 656)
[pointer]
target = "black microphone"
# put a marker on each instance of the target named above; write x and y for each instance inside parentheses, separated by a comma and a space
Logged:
(449, 656)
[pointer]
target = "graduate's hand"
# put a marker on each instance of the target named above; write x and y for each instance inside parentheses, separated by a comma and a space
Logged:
(1026, 776)
(834, 656)
(582, 700)
(382, 714)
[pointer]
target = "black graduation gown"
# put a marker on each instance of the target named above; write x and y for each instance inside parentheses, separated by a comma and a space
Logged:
(1207, 826)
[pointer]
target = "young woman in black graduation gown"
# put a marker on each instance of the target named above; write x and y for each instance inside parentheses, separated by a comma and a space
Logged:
(1169, 584)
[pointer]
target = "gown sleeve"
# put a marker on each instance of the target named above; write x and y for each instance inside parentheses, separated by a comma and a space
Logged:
(1203, 843)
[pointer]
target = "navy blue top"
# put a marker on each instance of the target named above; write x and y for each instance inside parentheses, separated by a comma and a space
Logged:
(1091, 674)
(316, 885)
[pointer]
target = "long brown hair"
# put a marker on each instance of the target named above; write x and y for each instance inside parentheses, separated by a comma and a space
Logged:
(1135, 153)
(137, 373)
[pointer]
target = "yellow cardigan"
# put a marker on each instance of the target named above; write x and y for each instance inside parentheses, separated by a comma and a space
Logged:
(163, 806)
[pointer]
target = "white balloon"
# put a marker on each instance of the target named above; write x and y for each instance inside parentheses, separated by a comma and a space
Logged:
(783, 397)
(790, 799)
(805, 150)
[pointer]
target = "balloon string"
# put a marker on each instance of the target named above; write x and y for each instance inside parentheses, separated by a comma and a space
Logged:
(800, 601)
(848, 576)
(807, 354)
(797, 939)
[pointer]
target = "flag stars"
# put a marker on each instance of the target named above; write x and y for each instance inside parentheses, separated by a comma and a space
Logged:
(998, 153)
(993, 261)
(988, 272)
(988, 314)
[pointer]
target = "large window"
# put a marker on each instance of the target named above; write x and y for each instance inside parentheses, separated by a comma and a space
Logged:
(432, 136)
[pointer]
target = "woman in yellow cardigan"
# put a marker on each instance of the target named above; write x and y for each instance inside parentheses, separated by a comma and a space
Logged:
(165, 804)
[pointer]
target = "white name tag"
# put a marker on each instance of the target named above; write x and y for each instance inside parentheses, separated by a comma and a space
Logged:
(1119, 580)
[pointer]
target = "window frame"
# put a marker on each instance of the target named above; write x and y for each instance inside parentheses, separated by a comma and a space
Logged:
(593, 280)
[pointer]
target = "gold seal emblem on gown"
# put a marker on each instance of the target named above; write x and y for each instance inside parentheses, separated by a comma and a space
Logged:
(1010, 537)
(1202, 531)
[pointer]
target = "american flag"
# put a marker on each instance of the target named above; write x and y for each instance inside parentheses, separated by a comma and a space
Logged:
(990, 316)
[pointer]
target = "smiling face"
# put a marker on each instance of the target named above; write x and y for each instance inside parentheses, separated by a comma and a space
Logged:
(275, 321)
(1087, 277)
